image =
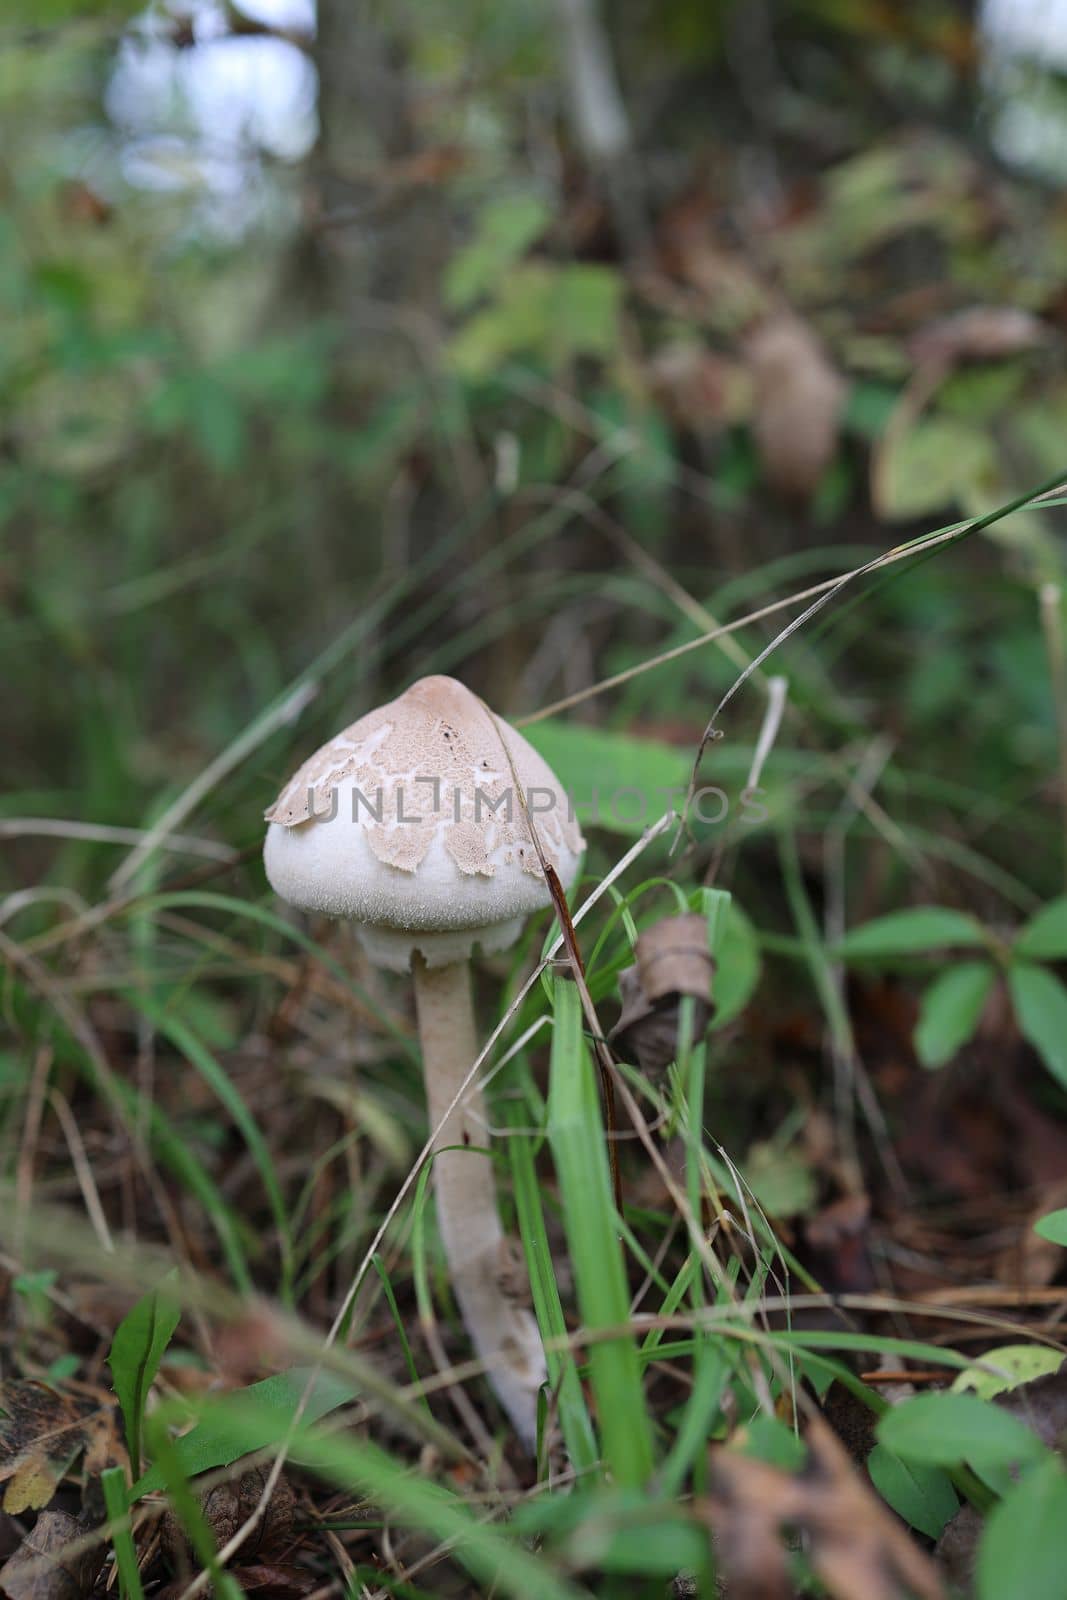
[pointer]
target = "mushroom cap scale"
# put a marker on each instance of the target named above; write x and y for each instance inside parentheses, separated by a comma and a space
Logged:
(412, 823)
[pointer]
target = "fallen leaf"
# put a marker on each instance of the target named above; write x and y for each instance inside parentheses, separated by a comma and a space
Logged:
(672, 961)
(43, 1432)
(287, 1582)
(228, 1506)
(856, 1547)
(39, 1569)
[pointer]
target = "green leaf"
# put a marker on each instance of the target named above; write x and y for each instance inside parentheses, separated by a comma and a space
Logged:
(922, 1495)
(1018, 1363)
(551, 312)
(768, 1439)
(943, 1429)
(781, 1179)
(506, 230)
(908, 933)
(737, 966)
(1053, 1226)
(950, 1011)
(628, 1532)
(1045, 936)
(931, 466)
(136, 1351)
(1021, 1552)
(272, 1402)
(1040, 1002)
(590, 761)
(496, 1559)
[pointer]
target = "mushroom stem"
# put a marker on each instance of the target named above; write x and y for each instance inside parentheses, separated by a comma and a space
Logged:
(504, 1334)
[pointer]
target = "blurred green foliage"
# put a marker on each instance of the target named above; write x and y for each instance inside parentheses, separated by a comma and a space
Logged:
(437, 394)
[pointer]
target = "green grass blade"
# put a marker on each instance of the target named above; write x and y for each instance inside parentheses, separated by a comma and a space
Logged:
(576, 1134)
(113, 1484)
(575, 1423)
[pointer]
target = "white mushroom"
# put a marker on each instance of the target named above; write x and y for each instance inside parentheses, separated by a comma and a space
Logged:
(409, 823)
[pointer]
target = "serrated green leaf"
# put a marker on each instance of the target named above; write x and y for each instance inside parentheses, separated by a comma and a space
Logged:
(908, 933)
(950, 1011)
(1040, 1002)
(922, 1495)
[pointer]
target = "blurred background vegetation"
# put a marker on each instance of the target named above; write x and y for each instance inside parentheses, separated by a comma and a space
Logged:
(528, 342)
(370, 321)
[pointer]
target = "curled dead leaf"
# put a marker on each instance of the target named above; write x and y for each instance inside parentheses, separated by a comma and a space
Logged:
(672, 961)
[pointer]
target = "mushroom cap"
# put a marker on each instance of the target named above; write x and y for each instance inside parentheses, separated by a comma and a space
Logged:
(412, 823)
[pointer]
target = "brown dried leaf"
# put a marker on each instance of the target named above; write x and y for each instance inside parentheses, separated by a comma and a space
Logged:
(855, 1545)
(673, 961)
(285, 1581)
(43, 1432)
(797, 401)
(39, 1569)
(228, 1506)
